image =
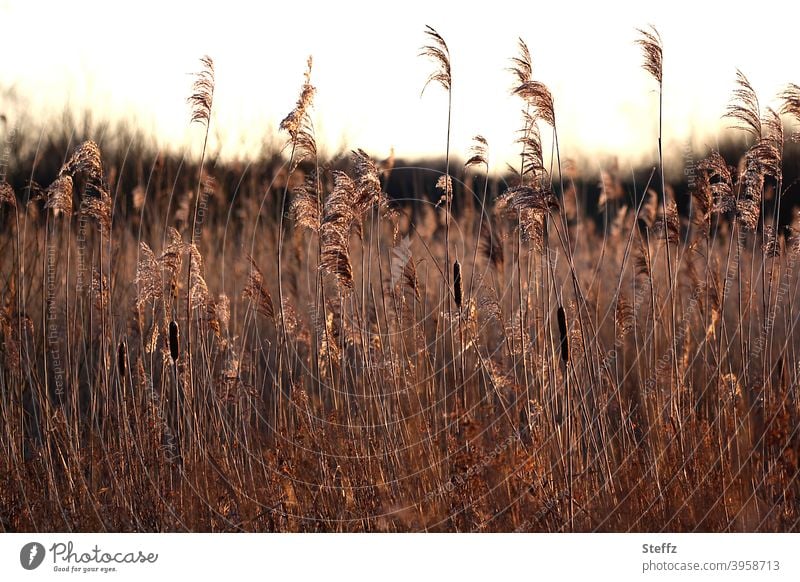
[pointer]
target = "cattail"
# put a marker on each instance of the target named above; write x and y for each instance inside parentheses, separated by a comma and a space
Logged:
(121, 359)
(173, 341)
(457, 291)
(562, 330)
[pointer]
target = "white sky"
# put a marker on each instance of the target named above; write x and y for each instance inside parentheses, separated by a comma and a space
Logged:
(133, 59)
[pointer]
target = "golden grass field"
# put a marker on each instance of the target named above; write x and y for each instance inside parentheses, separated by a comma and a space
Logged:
(193, 346)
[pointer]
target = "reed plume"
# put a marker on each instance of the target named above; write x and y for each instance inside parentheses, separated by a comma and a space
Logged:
(7, 195)
(202, 96)
(437, 52)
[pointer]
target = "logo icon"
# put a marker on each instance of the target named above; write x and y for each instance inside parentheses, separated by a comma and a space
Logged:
(32, 555)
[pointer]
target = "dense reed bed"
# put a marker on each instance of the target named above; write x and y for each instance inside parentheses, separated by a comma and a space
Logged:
(297, 350)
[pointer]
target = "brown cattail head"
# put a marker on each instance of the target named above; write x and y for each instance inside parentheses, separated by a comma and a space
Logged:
(173, 340)
(457, 289)
(122, 359)
(562, 330)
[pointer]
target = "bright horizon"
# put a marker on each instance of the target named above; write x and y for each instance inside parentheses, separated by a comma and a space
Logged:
(137, 65)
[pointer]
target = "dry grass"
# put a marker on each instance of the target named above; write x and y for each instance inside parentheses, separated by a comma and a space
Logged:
(323, 359)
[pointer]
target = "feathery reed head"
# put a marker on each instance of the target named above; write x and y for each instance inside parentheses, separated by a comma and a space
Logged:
(538, 96)
(337, 220)
(791, 104)
(97, 206)
(202, 95)
(59, 195)
(85, 161)
(521, 65)
(744, 108)
(650, 41)
(293, 122)
(479, 152)
(298, 122)
(7, 195)
(173, 340)
(438, 52)
(305, 206)
(257, 291)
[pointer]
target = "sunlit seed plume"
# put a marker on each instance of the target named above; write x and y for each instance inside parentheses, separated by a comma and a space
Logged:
(257, 291)
(96, 204)
(85, 161)
(298, 123)
(305, 206)
(293, 122)
(791, 105)
(337, 220)
(649, 209)
(172, 256)
(445, 184)
(770, 246)
(623, 316)
(538, 96)
(531, 141)
(521, 65)
(720, 182)
(744, 108)
(491, 246)
(198, 290)
(7, 195)
(148, 279)
(202, 96)
(99, 288)
(650, 42)
(438, 52)
(478, 152)
(59, 195)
